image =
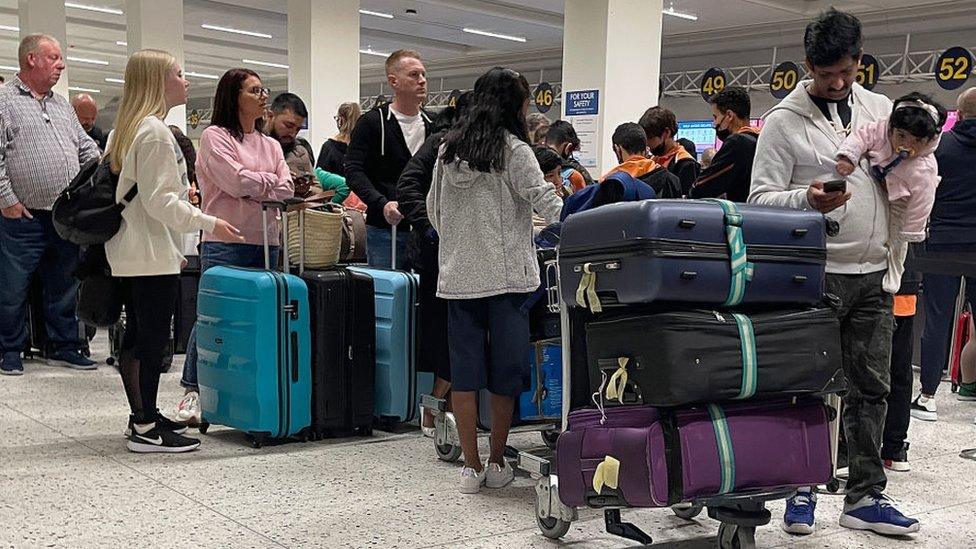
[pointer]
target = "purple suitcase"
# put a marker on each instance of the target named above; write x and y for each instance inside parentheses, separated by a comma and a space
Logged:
(669, 457)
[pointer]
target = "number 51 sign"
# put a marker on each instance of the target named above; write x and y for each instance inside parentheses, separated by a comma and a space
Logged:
(952, 68)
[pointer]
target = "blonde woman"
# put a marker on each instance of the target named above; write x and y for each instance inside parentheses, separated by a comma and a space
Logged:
(146, 252)
(333, 151)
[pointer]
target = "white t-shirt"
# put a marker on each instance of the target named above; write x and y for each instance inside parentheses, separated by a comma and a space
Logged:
(412, 128)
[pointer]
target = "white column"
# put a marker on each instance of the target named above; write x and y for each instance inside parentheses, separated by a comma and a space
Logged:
(157, 24)
(47, 17)
(613, 47)
(323, 60)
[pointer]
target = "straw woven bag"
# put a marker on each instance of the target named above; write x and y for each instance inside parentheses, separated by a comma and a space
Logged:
(319, 240)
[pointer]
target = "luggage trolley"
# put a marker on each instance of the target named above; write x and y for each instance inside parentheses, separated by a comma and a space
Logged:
(447, 443)
(739, 514)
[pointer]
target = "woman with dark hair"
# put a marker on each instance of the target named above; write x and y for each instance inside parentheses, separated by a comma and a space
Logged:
(412, 189)
(486, 184)
(238, 167)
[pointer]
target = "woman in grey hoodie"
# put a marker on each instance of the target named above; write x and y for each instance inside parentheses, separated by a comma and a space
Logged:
(486, 184)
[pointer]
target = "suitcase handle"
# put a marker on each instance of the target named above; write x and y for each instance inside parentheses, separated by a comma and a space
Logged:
(600, 267)
(294, 357)
(799, 279)
(687, 223)
(689, 275)
(281, 205)
(799, 232)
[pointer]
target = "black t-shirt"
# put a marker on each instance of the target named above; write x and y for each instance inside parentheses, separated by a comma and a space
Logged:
(837, 112)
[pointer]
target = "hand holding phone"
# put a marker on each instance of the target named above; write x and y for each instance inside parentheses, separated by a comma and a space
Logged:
(835, 185)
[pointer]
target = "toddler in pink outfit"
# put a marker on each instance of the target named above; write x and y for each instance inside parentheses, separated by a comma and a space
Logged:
(900, 151)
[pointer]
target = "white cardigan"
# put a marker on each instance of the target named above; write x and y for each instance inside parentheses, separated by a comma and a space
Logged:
(150, 240)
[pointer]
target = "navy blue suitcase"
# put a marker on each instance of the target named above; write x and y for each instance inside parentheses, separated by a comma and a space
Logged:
(679, 251)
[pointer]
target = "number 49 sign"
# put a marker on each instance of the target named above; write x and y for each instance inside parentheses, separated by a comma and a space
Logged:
(712, 82)
(952, 68)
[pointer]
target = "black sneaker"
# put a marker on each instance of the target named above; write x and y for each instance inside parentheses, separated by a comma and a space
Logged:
(162, 422)
(158, 440)
(896, 459)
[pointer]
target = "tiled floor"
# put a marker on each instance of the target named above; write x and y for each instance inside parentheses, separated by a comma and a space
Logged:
(66, 480)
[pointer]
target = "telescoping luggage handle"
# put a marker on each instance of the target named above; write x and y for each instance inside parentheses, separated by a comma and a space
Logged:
(282, 206)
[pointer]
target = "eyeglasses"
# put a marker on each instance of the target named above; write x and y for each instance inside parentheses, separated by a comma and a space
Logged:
(258, 90)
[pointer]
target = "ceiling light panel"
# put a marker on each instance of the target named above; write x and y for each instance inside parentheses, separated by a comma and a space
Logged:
(87, 60)
(265, 63)
(200, 75)
(115, 80)
(10, 28)
(86, 90)
(235, 31)
(377, 14)
(370, 51)
(98, 9)
(489, 34)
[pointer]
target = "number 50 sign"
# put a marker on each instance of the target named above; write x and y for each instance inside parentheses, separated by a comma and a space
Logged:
(952, 68)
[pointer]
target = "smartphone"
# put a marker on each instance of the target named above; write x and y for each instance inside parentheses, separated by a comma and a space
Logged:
(836, 185)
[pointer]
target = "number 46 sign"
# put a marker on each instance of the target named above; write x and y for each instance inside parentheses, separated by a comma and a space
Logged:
(952, 68)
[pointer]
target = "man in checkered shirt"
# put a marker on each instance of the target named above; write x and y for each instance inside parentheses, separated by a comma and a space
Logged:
(42, 148)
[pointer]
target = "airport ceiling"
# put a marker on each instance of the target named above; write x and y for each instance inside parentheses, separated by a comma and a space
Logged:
(435, 27)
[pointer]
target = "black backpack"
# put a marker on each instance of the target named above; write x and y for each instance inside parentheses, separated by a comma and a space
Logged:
(86, 212)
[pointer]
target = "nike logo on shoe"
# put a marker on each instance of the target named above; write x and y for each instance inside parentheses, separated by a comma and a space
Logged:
(158, 441)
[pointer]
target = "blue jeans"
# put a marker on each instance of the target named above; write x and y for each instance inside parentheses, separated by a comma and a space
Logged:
(213, 254)
(939, 297)
(26, 246)
(379, 251)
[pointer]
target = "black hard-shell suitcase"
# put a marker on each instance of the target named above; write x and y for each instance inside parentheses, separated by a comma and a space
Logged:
(185, 314)
(678, 251)
(343, 320)
(684, 357)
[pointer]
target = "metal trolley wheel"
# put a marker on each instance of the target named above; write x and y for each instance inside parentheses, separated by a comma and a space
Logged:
(550, 438)
(552, 527)
(687, 511)
(731, 536)
(448, 450)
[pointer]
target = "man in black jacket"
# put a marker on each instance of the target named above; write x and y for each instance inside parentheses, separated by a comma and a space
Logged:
(952, 231)
(381, 145)
(730, 172)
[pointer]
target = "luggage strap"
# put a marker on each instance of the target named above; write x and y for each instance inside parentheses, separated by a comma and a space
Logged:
(747, 342)
(723, 440)
(607, 474)
(742, 268)
(618, 381)
(586, 291)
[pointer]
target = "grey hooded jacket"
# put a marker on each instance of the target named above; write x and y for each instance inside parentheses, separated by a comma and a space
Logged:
(797, 146)
(484, 222)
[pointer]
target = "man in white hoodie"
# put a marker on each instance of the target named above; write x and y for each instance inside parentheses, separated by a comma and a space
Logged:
(794, 158)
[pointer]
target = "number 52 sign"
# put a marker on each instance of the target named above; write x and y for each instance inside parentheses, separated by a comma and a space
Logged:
(952, 68)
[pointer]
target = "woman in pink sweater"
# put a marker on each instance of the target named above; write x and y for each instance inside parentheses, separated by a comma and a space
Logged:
(238, 167)
(900, 151)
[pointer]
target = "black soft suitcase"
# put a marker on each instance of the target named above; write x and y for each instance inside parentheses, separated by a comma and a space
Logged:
(343, 325)
(684, 357)
(679, 251)
(37, 342)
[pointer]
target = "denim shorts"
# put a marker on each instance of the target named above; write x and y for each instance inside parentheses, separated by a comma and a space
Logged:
(489, 340)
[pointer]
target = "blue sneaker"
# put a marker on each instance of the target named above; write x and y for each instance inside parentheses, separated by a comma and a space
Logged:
(11, 365)
(798, 518)
(72, 359)
(877, 513)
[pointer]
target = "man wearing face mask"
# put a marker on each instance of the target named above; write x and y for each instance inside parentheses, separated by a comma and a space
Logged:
(661, 126)
(730, 172)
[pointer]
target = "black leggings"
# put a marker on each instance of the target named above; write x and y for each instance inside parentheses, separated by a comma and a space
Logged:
(149, 305)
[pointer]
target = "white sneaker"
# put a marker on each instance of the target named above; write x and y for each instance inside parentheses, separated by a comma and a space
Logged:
(188, 410)
(498, 476)
(471, 480)
(923, 408)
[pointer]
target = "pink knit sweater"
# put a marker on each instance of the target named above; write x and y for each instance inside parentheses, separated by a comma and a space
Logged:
(235, 177)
